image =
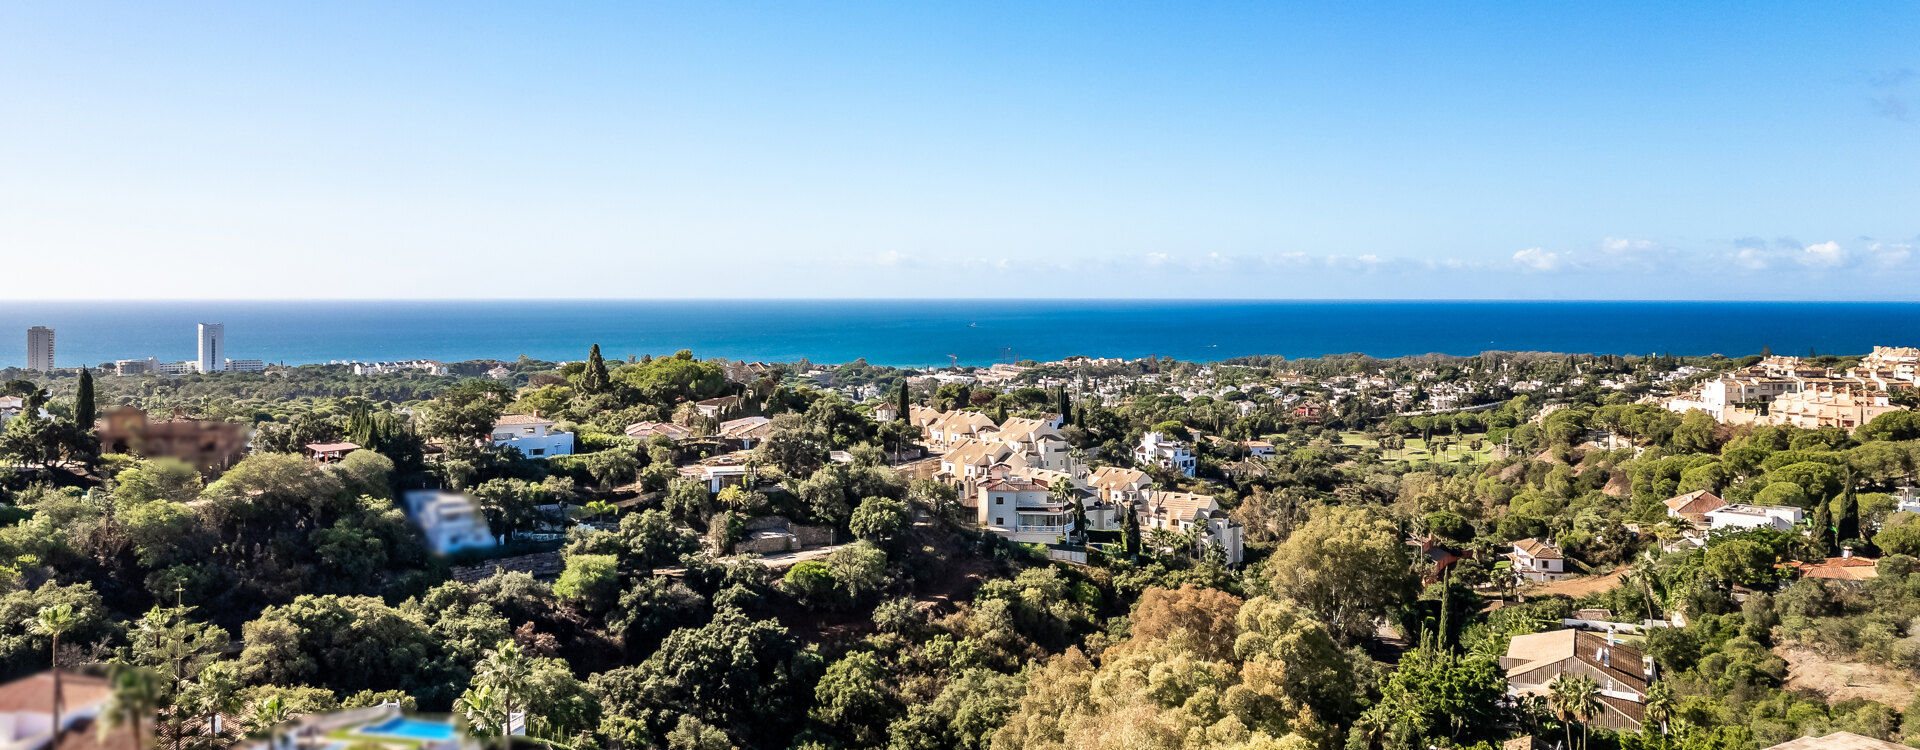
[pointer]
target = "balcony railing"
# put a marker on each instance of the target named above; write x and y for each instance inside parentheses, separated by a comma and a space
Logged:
(1041, 529)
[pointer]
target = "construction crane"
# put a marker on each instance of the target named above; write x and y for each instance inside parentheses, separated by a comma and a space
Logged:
(1006, 353)
(955, 361)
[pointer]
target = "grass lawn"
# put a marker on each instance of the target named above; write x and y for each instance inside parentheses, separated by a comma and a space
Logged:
(1417, 450)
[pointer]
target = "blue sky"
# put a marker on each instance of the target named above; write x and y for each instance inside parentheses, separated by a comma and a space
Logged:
(1253, 150)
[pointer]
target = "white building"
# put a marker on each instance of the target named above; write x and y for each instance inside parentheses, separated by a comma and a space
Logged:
(533, 435)
(181, 367)
(135, 366)
(428, 366)
(1538, 561)
(450, 520)
(213, 347)
(1183, 512)
(246, 365)
(1020, 509)
(1155, 448)
(40, 349)
(1780, 517)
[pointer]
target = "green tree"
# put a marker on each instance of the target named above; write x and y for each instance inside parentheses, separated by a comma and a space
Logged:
(1347, 566)
(53, 622)
(506, 671)
(852, 699)
(84, 411)
(592, 581)
(134, 695)
(594, 378)
(1574, 698)
(879, 518)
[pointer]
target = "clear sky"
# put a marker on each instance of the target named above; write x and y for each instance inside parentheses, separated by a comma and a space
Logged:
(899, 149)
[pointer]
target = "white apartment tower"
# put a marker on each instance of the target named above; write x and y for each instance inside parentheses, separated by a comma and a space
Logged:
(40, 349)
(213, 347)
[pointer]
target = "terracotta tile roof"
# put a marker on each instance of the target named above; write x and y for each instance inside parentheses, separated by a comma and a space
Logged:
(1181, 505)
(34, 693)
(1695, 502)
(971, 452)
(507, 419)
(1838, 568)
(1533, 651)
(1114, 477)
(1538, 549)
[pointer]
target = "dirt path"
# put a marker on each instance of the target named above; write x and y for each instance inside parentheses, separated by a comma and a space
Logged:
(1808, 670)
(1578, 587)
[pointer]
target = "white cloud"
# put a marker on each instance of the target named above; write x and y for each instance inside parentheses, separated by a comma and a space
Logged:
(1890, 255)
(1537, 259)
(1753, 258)
(1824, 255)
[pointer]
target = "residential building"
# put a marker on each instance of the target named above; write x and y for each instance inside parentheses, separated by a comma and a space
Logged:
(1183, 512)
(746, 431)
(532, 434)
(1538, 560)
(1158, 449)
(40, 349)
(328, 453)
(1694, 506)
(213, 347)
(1258, 448)
(1533, 661)
(1845, 408)
(967, 464)
(1124, 488)
(26, 708)
(1040, 443)
(1846, 567)
(181, 367)
(1780, 517)
(714, 408)
(451, 521)
(717, 474)
(885, 413)
(646, 430)
(955, 426)
(500, 372)
(246, 365)
(428, 366)
(1021, 509)
(128, 367)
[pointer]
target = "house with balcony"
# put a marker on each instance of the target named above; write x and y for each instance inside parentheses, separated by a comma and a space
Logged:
(1123, 488)
(955, 426)
(1160, 450)
(532, 434)
(1020, 509)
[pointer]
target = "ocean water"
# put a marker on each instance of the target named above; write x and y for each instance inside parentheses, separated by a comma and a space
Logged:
(918, 333)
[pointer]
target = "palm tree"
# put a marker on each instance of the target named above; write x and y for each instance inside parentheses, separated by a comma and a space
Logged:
(51, 622)
(268, 715)
(505, 670)
(136, 695)
(1574, 698)
(481, 706)
(598, 508)
(1162, 538)
(1659, 704)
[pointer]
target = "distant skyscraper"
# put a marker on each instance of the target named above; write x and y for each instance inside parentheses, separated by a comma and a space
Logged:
(213, 347)
(40, 348)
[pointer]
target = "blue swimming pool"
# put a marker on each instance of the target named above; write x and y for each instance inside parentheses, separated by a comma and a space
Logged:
(413, 729)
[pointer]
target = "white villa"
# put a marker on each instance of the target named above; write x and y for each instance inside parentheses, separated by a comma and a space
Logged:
(533, 435)
(1780, 517)
(1155, 448)
(1538, 560)
(450, 520)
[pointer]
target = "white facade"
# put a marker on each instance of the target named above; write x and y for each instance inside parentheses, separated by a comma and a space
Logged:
(1780, 517)
(181, 367)
(428, 366)
(40, 349)
(450, 521)
(1158, 449)
(246, 365)
(135, 366)
(534, 436)
(213, 347)
(1538, 561)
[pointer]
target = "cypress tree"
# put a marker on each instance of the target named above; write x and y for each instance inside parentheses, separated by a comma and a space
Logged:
(1846, 517)
(1064, 406)
(594, 379)
(1130, 532)
(906, 401)
(83, 408)
(1822, 540)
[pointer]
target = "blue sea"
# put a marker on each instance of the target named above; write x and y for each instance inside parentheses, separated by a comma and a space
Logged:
(919, 333)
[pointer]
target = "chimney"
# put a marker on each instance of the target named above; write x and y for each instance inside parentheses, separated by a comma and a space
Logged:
(1846, 552)
(536, 413)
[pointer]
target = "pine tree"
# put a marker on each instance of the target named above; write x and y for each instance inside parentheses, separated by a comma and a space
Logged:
(83, 408)
(594, 379)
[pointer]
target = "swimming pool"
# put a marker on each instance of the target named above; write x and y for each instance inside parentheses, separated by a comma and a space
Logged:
(413, 729)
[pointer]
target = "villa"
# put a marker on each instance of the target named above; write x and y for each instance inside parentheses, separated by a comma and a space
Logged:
(1158, 449)
(1781, 517)
(451, 521)
(532, 434)
(1533, 661)
(1538, 561)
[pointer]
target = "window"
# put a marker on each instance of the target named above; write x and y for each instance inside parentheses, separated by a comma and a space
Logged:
(536, 451)
(527, 431)
(998, 500)
(998, 521)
